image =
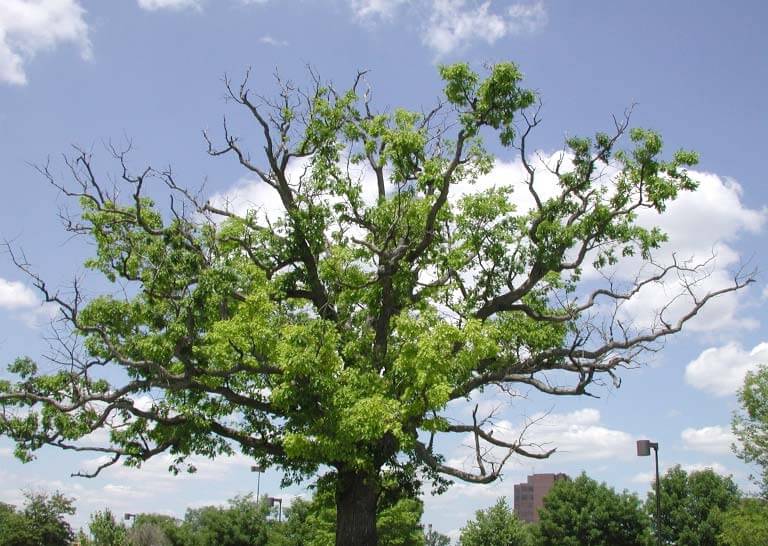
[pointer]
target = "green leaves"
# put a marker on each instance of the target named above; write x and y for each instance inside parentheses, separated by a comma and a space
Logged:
(491, 102)
(496, 526)
(750, 424)
(692, 505)
(336, 332)
(583, 511)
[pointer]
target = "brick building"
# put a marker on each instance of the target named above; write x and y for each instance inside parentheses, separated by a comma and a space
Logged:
(529, 496)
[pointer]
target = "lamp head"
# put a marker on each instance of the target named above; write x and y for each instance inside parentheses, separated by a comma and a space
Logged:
(644, 447)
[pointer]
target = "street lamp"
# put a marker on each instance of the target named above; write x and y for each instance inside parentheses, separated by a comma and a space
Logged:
(644, 450)
(129, 516)
(276, 500)
(259, 469)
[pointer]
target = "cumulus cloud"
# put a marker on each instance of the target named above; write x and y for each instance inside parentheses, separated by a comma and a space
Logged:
(450, 25)
(578, 436)
(269, 40)
(702, 227)
(650, 477)
(721, 370)
(454, 24)
(365, 9)
(28, 28)
(714, 439)
(15, 295)
(154, 5)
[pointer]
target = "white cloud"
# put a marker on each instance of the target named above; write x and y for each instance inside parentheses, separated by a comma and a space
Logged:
(527, 17)
(27, 28)
(714, 439)
(715, 467)
(577, 436)
(721, 370)
(385, 9)
(269, 40)
(249, 195)
(700, 224)
(650, 477)
(15, 295)
(154, 5)
(452, 25)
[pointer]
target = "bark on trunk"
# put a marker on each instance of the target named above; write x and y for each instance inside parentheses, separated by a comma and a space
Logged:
(356, 498)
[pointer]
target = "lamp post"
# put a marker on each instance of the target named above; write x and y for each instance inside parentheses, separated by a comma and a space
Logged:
(276, 500)
(643, 450)
(130, 516)
(259, 469)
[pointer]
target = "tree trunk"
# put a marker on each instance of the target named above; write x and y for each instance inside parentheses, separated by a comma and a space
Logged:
(356, 498)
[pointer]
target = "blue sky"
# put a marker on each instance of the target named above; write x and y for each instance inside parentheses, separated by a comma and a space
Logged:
(86, 72)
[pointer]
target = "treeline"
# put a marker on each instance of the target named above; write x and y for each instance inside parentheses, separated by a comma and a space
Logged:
(698, 509)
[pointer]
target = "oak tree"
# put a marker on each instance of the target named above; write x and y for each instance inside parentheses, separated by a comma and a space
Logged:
(334, 331)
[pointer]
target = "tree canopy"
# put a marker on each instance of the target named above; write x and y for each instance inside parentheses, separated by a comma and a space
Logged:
(106, 530)
(692, 505)
(583, 512)
(750, 425)
(334, 331)
(495, 526)
(745, 524)
(41, 522)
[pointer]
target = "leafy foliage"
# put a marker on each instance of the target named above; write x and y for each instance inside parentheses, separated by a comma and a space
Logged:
(745, 524)
(583, 512)
(40, 523)
(334, 333)
(495, 526)
(106, 530)
(692, 506)
(242, 523)
(750, 425)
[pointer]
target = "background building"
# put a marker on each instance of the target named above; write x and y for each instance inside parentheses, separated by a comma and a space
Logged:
(529, 496)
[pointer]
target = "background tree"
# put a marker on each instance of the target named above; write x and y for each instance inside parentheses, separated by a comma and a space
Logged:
(434, 538)
(692, 506)
(106, 530)
(745, 524)
(242, 523)
(333, 333)
(161, 527)
(40, 522)
(583, 512)
(750, 425)
(148, 534)
(495, 526)
(14, 528)
(297, 529)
